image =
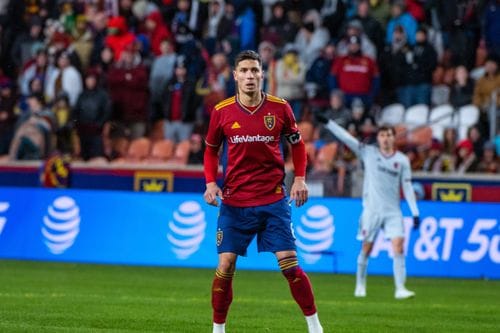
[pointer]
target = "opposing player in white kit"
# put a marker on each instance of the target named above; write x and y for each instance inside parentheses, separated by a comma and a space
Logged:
(386, 171)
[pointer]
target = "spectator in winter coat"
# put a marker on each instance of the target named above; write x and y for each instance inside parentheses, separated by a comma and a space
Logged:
(180, 105)
(290, 79)
(417, 65)
(128, 88)
(462, 88)
(156, 31)
(491, 26)
(355, 74)
(7, 115)
(91, 112)
(162, 71)
(65, 78)
(487, 84)
(401, 18)
(34, 132)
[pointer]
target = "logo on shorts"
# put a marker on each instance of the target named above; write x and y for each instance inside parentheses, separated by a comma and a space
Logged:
(269, 121)
(218, 237)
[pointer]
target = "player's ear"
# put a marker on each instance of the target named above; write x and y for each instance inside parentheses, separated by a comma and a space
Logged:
(234, 75)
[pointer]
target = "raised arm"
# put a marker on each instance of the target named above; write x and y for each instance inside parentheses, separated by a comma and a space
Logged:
(340, 133)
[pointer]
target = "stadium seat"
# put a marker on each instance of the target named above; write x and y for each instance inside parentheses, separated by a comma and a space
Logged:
(441, 117)
(467, 116)
(181, 153)
(416, 115)
(161, 151)
(138, 150)
(392, 114)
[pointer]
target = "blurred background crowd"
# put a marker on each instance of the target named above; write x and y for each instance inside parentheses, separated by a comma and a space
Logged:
(124, 81)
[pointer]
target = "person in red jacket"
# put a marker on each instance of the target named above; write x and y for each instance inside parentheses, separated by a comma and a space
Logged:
(119, 37)
(355, 74)
(156, 31)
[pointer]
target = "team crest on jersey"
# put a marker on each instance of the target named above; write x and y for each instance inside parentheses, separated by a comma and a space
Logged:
(269, 121)
(218, 237)
(396, 165)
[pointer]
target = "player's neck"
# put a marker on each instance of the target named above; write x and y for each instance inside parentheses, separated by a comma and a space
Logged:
(387, 151)
(251, 99)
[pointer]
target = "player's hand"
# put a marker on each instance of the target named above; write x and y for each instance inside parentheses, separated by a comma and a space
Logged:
(321, 118)
(299, 192)
(211, 193)
(416, 222)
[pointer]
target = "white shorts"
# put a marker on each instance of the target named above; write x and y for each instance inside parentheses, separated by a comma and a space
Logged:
(370, 224)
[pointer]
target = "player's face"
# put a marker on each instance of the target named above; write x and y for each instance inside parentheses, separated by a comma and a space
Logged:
(385, 140)
(248, 76)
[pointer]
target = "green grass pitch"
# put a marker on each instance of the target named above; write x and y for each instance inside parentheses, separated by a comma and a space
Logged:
(65, 297)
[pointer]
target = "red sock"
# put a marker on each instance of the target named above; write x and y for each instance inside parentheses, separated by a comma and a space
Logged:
(300, 286)
(222, 295)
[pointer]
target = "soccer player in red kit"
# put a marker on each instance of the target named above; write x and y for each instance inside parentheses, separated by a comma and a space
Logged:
(249, 126)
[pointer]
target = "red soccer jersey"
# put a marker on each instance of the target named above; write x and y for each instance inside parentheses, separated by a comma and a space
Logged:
(252, 157)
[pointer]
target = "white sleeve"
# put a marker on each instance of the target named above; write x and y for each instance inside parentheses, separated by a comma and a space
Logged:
(408, 191)
(344, 136)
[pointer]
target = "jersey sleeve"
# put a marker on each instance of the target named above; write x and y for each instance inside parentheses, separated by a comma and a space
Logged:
(290, 129)
(214, 134)
(408, 191)
(345, 137)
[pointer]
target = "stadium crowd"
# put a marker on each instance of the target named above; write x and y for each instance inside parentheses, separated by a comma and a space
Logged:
(116, 81)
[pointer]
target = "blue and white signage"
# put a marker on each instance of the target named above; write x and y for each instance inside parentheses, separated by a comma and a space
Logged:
(454, 240)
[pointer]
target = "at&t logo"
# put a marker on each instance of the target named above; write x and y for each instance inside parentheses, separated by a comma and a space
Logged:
(4, 206)
(187, 229)
(61, 225)
(315, 233)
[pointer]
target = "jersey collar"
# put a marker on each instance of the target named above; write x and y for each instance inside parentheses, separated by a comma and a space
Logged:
(247, 109)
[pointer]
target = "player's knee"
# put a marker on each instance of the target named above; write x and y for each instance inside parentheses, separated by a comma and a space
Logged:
(226, 266)
(367, 248)
(397, 245)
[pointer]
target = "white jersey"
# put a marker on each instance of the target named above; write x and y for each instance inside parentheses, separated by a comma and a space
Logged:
(384, 176)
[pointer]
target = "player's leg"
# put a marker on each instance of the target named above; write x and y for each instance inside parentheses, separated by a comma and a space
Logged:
(300, 287)
(277, 237)
(362, 268)
(399, 269)
(222, 290)
(235, 230)
(369, 224)
(394, 230)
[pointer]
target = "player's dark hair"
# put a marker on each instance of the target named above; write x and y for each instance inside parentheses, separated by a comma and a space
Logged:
(247, 55)
(386, 127)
